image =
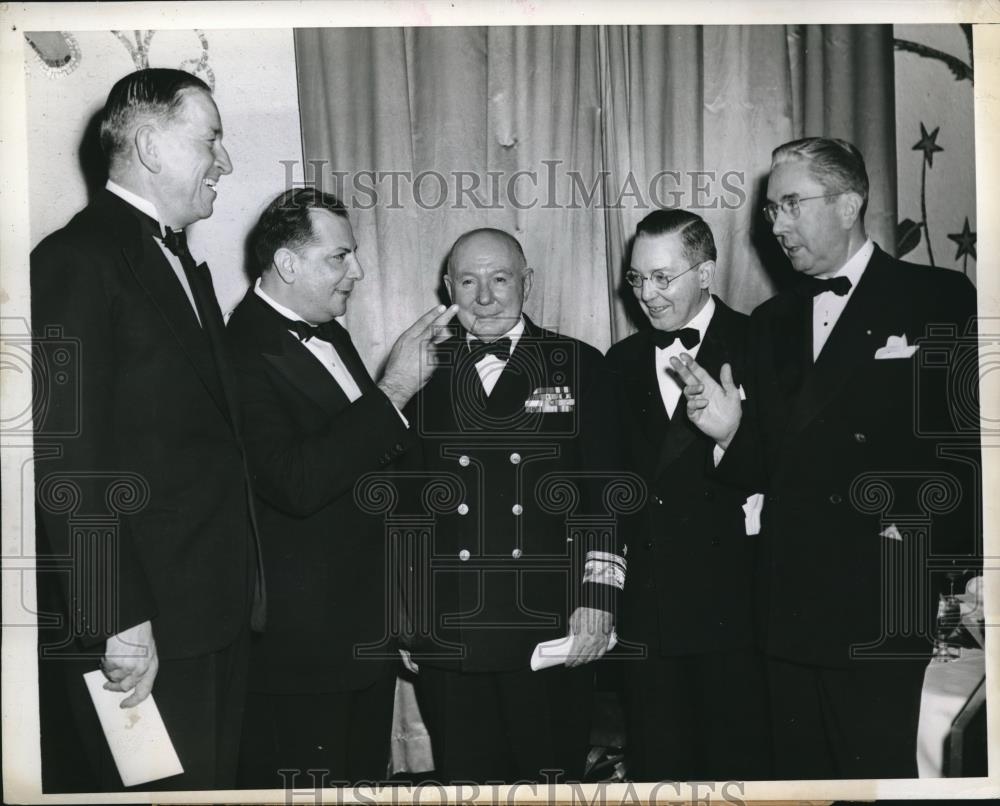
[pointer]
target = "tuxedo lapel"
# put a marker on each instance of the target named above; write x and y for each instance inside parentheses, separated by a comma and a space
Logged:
(157, 278)
(644, 394)
(513, 387)
(682, 432)
(525, 366)
(303, 371)
(792, 344)
(291, 359)
(848, 347)
(352, 359)
(455, 398)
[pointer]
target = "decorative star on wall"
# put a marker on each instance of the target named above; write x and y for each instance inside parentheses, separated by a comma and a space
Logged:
(928, 144)
(966, 240)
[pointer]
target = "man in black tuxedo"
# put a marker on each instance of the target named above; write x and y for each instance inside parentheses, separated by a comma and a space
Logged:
(516, 417)
(869, 470)
(696, 699)
(143, 504)
(322, 678)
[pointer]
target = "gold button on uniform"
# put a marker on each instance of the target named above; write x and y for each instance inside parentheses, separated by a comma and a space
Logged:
(516, 554)
(464, 461)
(515, 458)
(463, 509)
(464, 555)
(517, 509)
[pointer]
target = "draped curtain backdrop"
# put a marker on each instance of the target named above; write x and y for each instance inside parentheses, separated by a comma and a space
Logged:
(567, 136)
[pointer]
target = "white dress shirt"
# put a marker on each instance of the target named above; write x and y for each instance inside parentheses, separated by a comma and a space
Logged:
(827, 307)
(489, 367)
(325, 352)
(670, 384)
(147, 207)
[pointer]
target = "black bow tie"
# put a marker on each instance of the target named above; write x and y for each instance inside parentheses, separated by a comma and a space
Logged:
(811, 286)
(500, 348)
(688, 336)
(176, 242)
(305, 331)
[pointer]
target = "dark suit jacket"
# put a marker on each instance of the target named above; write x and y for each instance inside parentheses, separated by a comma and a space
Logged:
(504, 575)
(690, 576)
(849, 446)
(325, 558)
(139, 463)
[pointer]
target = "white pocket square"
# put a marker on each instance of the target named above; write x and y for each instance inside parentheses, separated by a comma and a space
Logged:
(895, 347)
(891, 531)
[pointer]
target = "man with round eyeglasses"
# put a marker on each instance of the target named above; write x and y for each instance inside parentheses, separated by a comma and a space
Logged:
(848, 422)
(688, 593)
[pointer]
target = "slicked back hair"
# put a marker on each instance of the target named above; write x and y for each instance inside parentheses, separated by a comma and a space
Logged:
(696, 235)
(836, 164)
(503, 234)
(155, 93)
(286, 223)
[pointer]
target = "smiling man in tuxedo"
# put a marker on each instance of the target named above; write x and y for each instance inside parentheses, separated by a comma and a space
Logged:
(696, 699)
(154, 434)
(316, 422)
(848, 425)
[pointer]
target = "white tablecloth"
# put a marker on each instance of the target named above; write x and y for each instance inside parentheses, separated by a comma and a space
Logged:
(947, 687)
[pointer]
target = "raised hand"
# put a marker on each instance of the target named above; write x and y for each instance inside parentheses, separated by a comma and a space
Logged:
(410, 361)
(715, 408)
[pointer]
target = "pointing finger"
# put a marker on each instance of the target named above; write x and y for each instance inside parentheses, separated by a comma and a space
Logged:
(424, 321)
(439, 327)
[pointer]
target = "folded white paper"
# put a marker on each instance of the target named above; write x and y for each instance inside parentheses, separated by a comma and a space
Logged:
(555, 652)
(138, 739)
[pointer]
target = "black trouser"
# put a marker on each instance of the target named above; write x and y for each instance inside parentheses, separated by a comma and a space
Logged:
(507, 726)
(341, 736)
(697, 718)
(859, 722)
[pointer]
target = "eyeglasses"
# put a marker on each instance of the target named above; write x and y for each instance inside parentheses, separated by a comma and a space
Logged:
(659, 278)
(790, 206)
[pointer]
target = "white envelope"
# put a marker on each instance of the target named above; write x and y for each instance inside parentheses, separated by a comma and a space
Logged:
(138, 739)
(895, 347)
(554, 652)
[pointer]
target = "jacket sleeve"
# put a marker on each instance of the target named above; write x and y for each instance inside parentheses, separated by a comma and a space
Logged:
(77, 470)
(948, 409)
(609, 491)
